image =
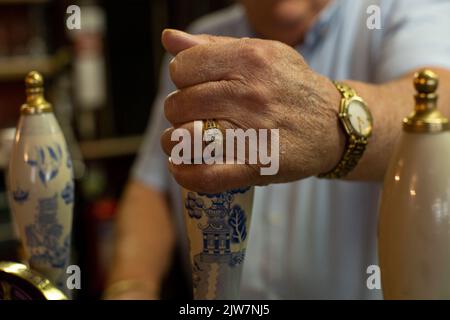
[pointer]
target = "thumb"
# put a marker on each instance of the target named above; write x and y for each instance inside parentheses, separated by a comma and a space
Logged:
(175, 41)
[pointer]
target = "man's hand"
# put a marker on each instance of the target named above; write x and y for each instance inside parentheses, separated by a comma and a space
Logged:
(251, 83)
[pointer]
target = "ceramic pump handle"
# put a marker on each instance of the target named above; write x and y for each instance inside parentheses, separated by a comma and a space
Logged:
(41, 186)
(218, 227)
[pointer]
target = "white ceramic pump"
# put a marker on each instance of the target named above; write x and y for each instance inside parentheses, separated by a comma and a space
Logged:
(41, 186)
(414, 225)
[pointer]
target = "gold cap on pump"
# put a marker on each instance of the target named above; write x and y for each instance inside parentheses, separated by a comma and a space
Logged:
(426, 118)
(36, 103)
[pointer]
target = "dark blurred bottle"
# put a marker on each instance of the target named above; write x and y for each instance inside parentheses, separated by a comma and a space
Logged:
(89, 70)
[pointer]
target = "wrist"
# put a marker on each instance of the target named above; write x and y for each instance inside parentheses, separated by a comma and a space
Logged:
(335, 139)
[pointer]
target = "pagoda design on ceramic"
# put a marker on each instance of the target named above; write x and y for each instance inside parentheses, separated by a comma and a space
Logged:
(219, 223)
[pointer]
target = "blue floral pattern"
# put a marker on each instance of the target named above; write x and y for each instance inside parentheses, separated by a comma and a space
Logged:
(20, 195)
(223, 225)
(237, 222)
(226, 224)
(47, 160)
(44, 235)
(68, 193)
(68, 159)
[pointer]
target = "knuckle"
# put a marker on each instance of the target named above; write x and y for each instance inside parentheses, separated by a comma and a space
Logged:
(253, 52)
(254, 96)
(228, 88)
(252, 92)
(170, 106)
(258, 94)
(174, 71)
(172, 67)
(278, 45)
(277, 49)
(166, 142)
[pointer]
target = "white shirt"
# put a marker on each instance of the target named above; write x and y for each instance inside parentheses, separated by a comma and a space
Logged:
(315, 238)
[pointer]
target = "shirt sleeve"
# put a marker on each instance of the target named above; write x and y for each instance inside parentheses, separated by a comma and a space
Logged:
(416, 34)
(150, 166)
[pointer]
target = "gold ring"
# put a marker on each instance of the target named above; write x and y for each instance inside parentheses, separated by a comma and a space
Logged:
(210, 129)
(210, 124)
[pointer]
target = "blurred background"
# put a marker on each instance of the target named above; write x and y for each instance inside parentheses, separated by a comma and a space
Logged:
(101, 80)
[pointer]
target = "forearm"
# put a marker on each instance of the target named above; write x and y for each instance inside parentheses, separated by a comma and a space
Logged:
(389, 103)
(144, 240)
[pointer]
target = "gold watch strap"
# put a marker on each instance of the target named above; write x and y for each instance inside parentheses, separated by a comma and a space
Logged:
(346, 91)
(354, 151)
(355, 146)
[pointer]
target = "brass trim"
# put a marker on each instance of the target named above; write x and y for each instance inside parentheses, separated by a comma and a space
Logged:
(426, 118)
(36, 103)
(40, 283)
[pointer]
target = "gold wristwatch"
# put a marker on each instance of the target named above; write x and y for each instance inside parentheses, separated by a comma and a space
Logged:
(357, 122)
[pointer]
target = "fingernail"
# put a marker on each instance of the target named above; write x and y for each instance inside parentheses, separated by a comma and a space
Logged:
(178, 33)
(175, 40)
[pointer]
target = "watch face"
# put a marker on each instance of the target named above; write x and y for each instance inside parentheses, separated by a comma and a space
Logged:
(359, 117)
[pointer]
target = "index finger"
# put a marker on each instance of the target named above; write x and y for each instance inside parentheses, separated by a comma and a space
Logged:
(207, 62)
